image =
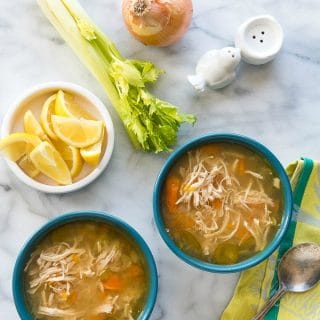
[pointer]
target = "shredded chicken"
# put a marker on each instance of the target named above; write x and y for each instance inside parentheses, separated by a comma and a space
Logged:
(201, 185)
(220, 203)
(210, 224)
(276, 183)
(55, 272)
(259, 231)
(56, 312)
(254, 174)
(104, 258)
(107, 306)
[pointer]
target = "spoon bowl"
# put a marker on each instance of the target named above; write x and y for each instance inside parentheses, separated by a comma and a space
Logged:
(298, 271)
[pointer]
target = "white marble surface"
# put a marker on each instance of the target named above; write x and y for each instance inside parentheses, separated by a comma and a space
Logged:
(276, 104)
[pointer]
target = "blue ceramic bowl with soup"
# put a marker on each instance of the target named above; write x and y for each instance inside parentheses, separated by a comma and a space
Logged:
(222, 202)
(119, 264)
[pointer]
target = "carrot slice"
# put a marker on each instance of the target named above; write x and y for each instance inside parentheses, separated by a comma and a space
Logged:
(241, 167)
(72, 298)
(217, 203)
(113, 283)
(172, 191)
(242, 233)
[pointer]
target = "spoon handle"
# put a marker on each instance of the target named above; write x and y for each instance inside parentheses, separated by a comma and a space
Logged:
(269, 304)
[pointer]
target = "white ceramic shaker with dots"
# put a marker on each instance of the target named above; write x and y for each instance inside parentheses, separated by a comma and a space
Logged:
(260, 39)
(216, 68)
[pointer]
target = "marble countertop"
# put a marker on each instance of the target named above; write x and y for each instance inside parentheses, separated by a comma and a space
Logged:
(276, 104)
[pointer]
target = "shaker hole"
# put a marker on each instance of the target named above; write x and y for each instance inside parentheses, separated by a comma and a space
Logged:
(253, 37)
(261, 40)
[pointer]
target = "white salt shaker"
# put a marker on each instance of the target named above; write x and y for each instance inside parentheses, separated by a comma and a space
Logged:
(260, 39)
(216, 68)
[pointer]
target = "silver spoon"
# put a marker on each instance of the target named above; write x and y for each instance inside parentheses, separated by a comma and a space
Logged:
(299, 271)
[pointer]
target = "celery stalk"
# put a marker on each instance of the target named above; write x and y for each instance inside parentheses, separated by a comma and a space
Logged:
(152, 124)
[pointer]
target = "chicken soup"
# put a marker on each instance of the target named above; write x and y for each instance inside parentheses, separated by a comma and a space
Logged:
(222, 203)
(86, 271)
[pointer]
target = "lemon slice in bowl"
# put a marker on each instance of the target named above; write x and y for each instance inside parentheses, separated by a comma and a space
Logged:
(47, 111)
(76, 163)
(49, 161)
(16, 145)
(92, 154)
(66, 107)
(32, 126)
(79, 133)
(71, 156)
(27, 166)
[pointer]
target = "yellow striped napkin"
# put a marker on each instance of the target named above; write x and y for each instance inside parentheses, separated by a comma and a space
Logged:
(258, 283)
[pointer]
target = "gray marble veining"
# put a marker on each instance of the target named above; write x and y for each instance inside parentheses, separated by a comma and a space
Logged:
(276, 103)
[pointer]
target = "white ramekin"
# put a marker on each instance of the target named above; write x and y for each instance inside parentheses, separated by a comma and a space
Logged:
(76, 90)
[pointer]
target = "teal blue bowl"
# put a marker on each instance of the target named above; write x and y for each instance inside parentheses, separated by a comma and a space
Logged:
(287, 200)
(17, 282)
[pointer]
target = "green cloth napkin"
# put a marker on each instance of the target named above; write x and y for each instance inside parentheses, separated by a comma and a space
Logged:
(257, 284)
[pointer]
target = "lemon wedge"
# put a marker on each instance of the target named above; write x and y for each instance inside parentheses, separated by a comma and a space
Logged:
(18, 144)
(92, 154)
(66, 107)
(48, 161)
(71, 156)
(76, 163)
(32, 126)
(46, 115)
(79, 133)
(28, 167)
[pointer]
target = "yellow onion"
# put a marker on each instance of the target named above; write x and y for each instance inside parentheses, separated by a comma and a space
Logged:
(157, 22)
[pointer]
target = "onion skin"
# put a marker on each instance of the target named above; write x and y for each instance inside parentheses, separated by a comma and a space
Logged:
(157, 22)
